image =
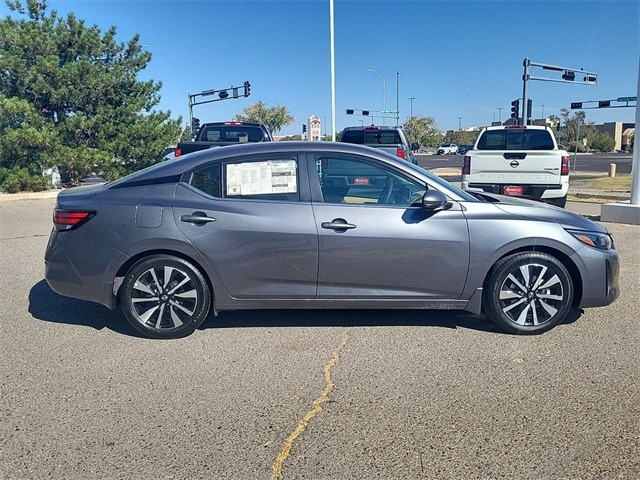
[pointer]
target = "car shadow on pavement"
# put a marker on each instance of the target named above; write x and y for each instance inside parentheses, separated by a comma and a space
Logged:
(349, 318)
(48, 306)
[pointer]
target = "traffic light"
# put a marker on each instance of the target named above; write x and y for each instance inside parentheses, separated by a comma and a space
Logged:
(247, 89)
(195, 124)
(349, 111)
(569, 76)
(576, 105)
(604, 103)
(365, 112)
(515, 108)
(590, 79)
(223, 94)
(529, 108)
(304, 128)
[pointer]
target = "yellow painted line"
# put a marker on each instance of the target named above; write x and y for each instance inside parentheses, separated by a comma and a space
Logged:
(276, 468)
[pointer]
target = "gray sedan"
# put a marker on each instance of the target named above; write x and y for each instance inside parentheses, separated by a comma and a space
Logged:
(319, 225)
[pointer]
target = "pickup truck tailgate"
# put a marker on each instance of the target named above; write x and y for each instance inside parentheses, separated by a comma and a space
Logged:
(530, 167)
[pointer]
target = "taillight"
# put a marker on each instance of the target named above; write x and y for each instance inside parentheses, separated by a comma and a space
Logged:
(70, 220)
(564, 167)
(466, 165)
(400, 153)
(177, 152)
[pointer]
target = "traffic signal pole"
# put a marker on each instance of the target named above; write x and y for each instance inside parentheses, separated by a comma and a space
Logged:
(525, 78)
(223, 94)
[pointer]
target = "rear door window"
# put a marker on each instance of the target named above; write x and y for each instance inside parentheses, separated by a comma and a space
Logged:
(273, 178)
(233, 134)
(516, 139)
(371, 137)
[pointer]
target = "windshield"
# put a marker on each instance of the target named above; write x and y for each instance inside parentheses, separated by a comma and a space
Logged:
(516, 139)
(233, 134)
(371, 137)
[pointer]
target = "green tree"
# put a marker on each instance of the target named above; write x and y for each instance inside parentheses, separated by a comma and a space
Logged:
(574, 129)
(462, 137)
(27, 140)
(423, 130)
(82, 84)
(602, 142)
(275, 117)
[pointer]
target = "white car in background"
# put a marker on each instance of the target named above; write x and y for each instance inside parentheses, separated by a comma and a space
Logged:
(447, 149)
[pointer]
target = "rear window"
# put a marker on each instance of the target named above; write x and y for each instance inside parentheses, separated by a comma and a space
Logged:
(371, 137)
(516, 139)
(233, 134)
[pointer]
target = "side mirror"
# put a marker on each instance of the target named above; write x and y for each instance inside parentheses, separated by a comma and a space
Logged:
(434, 200)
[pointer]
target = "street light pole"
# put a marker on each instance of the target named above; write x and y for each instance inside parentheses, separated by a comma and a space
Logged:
(459, 123)
(397, 97)
(384, 90)
(411, 99)
(499, 114)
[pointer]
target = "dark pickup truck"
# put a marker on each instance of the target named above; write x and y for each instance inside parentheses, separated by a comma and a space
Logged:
(389, 139)
(219, 134)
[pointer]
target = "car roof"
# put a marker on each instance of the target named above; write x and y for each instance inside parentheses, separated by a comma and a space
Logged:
(179, 165)
(374, 127)
(516, 127)
(231, 123)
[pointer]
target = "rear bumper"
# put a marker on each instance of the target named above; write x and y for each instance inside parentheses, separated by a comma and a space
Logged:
(91, 280)
(534, 191)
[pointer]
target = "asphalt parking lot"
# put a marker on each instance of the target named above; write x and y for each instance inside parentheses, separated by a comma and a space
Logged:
(310, 394)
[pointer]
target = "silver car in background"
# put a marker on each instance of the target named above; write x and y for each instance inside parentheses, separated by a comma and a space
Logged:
(298, 225)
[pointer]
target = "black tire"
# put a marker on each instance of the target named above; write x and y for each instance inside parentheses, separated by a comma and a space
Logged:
(528, 293)
(164, 296)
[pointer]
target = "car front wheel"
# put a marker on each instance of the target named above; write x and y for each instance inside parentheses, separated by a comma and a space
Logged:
(528, 293)
(164, 296)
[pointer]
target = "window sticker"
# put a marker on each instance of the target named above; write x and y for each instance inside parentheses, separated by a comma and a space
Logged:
(255, 178)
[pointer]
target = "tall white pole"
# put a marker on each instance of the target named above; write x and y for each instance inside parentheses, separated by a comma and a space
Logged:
(624, 212)
(384, 93)
(635, 164)
(333, 75)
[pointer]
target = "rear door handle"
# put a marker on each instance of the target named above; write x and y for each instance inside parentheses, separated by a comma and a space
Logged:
(338, 225)
(197, 218)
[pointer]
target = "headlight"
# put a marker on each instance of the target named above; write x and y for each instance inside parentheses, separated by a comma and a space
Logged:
(602, 241)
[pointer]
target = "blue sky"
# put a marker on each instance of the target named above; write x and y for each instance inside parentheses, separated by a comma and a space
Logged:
(457, 58)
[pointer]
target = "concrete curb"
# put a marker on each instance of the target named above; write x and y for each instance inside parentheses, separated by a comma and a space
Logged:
(12, 197)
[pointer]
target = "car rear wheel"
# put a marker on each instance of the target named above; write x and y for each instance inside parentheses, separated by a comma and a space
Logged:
(164, 296)
(528, 293)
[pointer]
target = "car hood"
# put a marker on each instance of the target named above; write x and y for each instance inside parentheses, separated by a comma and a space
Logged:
(536, 210)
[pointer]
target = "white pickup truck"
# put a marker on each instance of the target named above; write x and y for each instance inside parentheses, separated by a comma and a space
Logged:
(521, 160)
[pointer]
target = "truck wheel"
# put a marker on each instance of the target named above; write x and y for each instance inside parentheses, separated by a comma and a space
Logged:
(164, 296)
(528, 293)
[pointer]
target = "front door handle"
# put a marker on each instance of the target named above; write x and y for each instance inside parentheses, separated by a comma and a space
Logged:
(338, 225)
(197, 218)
